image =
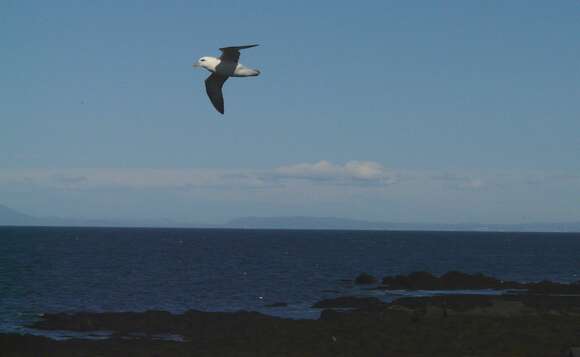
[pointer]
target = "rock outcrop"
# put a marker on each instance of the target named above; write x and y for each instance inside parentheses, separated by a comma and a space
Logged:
(365, 279)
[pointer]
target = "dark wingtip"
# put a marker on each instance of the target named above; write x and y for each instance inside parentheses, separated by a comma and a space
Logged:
(238, 47)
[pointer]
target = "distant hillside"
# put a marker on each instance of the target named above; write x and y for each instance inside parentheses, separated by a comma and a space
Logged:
(11, 217)
(299, 222)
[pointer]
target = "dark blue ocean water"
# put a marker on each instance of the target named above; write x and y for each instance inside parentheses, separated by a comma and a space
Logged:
(114, 269)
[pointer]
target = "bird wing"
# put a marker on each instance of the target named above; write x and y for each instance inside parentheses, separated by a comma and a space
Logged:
(213, 87)
(232, 54)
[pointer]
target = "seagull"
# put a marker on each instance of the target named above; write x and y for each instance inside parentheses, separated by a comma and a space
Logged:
(221, 69)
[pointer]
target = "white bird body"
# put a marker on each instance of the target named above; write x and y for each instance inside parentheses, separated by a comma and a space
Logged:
(223, 68)
(227, 68)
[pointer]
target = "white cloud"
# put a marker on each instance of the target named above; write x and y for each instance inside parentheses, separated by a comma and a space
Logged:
(355, 188)
(351, 172)
(321, 174)
(366, 170)
(319, 170)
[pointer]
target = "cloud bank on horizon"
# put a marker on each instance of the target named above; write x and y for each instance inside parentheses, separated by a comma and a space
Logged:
(309, 188)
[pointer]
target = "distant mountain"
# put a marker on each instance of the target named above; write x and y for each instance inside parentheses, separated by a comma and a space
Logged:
(11, 217)
(300, 222)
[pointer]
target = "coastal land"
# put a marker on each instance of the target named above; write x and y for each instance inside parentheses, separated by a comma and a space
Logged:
(522, 319)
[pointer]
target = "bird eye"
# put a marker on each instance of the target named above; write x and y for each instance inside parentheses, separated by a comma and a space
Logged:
(203, 59)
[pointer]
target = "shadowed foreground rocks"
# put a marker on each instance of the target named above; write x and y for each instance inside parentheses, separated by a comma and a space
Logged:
(533, 323)
(457, 325)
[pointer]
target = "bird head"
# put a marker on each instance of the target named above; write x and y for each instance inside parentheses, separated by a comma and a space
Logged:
(202, 62)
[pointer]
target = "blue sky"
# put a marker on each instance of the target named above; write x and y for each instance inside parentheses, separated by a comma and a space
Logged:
(446, 111)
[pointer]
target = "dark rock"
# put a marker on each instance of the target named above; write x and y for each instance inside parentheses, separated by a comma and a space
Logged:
(277, 304)
(451, 302)
(453, 280)
(413, 281)
(456, 280)
(349, 302)
(147, 322)
(330, 315)
(365, 279)
(548, 287)
(540, 325)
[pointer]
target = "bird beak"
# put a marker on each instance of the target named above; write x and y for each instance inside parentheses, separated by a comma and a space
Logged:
(195, 65)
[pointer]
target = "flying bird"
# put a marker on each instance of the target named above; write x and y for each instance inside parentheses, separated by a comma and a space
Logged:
(221, 69)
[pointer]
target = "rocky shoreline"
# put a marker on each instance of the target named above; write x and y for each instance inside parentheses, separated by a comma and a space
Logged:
(542, 319)
(456, 280)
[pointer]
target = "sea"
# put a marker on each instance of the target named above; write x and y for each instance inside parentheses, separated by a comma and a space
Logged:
(56, 269)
